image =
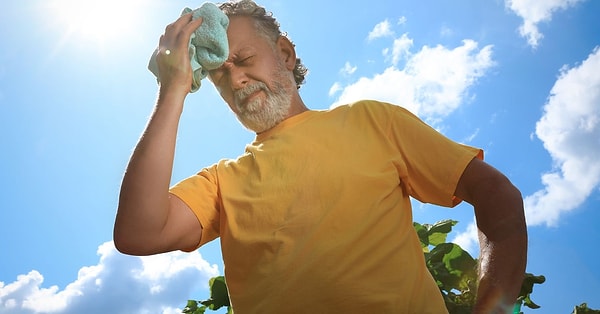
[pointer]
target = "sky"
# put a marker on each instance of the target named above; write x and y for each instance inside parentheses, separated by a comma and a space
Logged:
(518, 78)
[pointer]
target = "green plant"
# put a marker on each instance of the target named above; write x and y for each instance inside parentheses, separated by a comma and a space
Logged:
(455, 271)
(218, 298)
(583, 309)
(453, 268)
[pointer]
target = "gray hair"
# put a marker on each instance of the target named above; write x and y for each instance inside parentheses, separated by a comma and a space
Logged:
(266, 25)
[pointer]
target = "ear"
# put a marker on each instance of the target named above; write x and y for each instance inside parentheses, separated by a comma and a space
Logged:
(287, 52)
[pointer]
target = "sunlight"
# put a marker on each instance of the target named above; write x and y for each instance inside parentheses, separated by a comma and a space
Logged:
(101, 22)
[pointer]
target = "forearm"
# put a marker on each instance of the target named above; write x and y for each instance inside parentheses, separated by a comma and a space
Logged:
(503, 254)
(144, 198)
(501, 268)
(502, 235)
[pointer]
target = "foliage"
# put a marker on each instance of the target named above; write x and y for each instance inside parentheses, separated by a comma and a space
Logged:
(453, 269)
(218, 298)
(584, 309)
(527, 289)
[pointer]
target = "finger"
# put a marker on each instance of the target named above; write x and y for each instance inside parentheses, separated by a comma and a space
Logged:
(178, 24)
(182, 38)
(177, 35)
(191, 27)
(165, 43)
(179, 32)
(183, 20)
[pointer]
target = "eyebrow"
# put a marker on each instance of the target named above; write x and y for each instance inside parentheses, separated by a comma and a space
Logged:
(238, 52)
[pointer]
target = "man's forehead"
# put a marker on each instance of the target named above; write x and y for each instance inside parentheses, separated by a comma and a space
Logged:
(240, 33)
(240, 24)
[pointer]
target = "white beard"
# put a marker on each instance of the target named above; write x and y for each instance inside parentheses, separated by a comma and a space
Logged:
(261, 114)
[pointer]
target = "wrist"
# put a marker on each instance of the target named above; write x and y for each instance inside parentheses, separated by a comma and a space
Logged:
(171, 97)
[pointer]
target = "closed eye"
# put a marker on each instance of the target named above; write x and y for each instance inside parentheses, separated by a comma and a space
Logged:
(245, 60)
(217, 75)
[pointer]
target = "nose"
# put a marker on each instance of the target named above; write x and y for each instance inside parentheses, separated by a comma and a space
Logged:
(238, 78)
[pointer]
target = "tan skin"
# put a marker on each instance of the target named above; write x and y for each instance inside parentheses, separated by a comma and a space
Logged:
(150, 220)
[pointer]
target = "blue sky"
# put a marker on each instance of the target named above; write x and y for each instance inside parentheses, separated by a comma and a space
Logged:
(520, 79)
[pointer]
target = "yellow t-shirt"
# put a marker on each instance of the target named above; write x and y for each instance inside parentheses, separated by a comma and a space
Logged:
(315, 217)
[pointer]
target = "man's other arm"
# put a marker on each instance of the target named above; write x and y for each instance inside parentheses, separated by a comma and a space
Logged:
(502, 229)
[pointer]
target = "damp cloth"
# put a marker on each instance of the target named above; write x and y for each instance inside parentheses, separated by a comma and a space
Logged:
(208, 46)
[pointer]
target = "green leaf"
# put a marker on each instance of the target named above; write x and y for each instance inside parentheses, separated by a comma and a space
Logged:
(437, 266)
(459, 261)
(432, 235)
(452, 267)
(218, 294)
(584, 309)
(527, 289)
(437, 238)
(423, 236)
(192, 308)
(439, 231)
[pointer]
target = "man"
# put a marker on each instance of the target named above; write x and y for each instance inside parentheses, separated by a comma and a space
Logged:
(315, 216)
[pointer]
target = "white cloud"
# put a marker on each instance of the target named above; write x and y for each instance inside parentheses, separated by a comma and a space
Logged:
(471, 137)
(348, 69)
(336, 87)
(402, 20)
(468, 240)
(433, 82)
(533, 12)
(382, 29)
(401, 48)
(446, 31)
(570, 131)
(117, 284)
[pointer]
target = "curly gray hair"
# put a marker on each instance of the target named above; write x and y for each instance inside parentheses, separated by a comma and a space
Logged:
(265, 24)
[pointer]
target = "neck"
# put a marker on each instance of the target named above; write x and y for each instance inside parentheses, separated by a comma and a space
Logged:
(297, 106)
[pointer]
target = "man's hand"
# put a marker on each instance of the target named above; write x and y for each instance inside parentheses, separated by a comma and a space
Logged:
(173, 57)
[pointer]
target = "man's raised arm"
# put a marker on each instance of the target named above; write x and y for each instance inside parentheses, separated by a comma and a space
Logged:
(149, 219)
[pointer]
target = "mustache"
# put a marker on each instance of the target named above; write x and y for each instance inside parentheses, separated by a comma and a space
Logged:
(242, 94)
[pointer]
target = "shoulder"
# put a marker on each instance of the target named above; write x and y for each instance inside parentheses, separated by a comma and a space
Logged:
(365, 104)
(361, 107)
(374, 106)
(374, 109)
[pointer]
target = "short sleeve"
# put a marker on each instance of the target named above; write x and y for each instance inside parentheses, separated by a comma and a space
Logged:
(200, 192)
(431, 163)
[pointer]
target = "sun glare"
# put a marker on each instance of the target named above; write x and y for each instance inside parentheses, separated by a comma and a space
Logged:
(101, 21)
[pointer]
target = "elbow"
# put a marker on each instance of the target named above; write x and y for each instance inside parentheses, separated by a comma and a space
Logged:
(500, 212)
(134, 234)
(122, 242)
(120, 237)
(134, 242)
(126, 242)
(127, 236)
(131, 245)
(515, 192)
(515, 201)
(126, 246)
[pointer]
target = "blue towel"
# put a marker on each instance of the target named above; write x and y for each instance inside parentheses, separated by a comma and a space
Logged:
(208, 44)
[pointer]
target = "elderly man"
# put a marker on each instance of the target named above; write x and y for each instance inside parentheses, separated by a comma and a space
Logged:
(315, 216)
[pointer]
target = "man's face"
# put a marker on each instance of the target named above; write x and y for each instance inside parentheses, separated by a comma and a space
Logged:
(254, 80)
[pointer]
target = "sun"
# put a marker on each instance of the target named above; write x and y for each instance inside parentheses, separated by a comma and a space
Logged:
(99, 21)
